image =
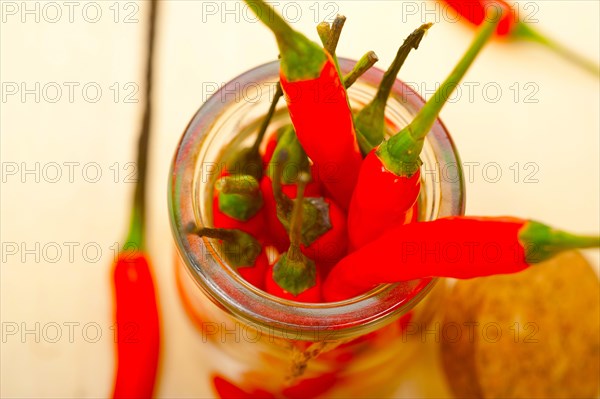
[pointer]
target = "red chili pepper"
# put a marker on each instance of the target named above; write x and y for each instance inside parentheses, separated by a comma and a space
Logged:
(294, 276)
(318, 106)
(255, 274)
(238, 204)
(370, 120)
(380, 201)
(325, 129)
(475, 11)
(510, 26)
(241, 251)
(135, 305)
(389, 182)
(457, 247)
(362, 65)
(413, 215)
(332, 245)
(137, 327)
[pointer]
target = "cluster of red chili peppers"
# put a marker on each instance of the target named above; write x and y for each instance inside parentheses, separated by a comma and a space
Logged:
(326, 208)
(338, 202)
(336, 222)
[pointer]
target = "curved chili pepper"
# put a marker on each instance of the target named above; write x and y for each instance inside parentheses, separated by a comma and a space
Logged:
(370, 120)
(239, 204)
(389, 182)
(510, 26)
(241, 251)
(294, 276)
(457, 247)
(137, 326)
(318, 106)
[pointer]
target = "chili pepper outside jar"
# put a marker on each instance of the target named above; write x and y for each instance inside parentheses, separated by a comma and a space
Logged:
(264, 344)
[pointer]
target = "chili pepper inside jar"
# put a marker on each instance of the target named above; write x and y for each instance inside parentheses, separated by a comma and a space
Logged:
(358, 347)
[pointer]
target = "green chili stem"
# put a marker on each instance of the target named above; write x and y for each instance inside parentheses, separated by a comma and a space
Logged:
(301, 59)
(269, 17)
(426, 117)
(362, 66)
(335, 33)
(324, 30)
(389, 77)
(294, 272)
(401, 153)
(294, 252)
(238, 248)
(334, 36)
(524, 31)
(135, 235)
(219, 234)
(283, 201)
(370, 121)
(541, 242)
(267, 119)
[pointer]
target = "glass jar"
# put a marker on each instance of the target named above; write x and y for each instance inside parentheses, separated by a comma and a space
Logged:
(270, 346)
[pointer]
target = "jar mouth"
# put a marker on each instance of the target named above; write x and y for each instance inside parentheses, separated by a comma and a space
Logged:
(228, 290)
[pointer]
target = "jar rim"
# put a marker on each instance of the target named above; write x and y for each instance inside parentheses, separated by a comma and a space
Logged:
(251, 305)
